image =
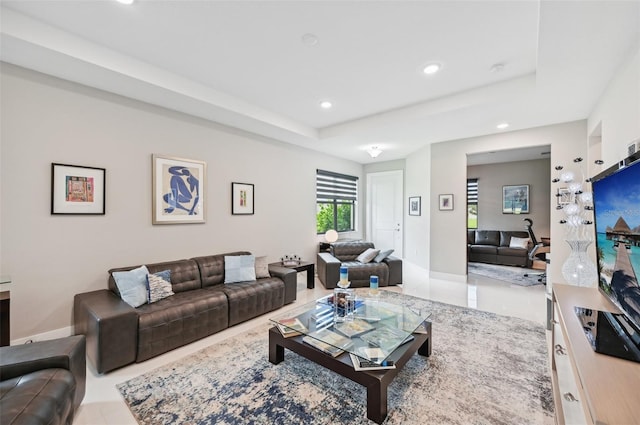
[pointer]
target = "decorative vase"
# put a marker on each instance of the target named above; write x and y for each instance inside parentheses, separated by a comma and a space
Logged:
(578, 269)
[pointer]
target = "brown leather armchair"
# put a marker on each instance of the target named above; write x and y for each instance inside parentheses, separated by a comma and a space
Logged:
(43, 382)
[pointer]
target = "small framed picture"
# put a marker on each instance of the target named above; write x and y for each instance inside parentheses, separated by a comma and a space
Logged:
(415, 205)
(563, 196)
(445, 202)
(178, 188)
(77, 190)
(515, 199)
(242, 199)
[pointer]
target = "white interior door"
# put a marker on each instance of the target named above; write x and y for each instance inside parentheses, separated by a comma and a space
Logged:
(385, 210)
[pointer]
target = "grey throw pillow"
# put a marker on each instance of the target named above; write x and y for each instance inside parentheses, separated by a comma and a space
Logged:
(382, 255)
(239, 268)
(368, 255)
(262, 268)
(159, 286)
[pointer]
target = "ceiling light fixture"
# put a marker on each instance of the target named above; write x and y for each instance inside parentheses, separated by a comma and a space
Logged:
(310, 39)
(125, 1)
(374, 151)
(432, 68)
(498, 67)
(325, 104)
(502, 125)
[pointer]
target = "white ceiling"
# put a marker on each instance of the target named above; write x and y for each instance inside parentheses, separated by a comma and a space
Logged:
(244, 63)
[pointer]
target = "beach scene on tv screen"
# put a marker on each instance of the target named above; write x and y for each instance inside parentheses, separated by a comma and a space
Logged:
(617, 202)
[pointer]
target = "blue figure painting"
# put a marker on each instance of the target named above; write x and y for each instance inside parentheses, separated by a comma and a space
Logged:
(184, 191)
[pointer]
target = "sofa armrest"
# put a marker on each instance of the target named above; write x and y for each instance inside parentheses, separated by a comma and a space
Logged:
(395, 270)
(328, 269)
(289, 277)
(63, 353)
(111, 328)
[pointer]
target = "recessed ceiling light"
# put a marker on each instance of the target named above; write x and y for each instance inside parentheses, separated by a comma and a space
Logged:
(325, 104)
(502, 125)
(125, 1)
(498, 67)
(432, 68)
(310, 39)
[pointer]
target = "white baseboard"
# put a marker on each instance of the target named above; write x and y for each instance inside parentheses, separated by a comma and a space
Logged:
(448, 276)
(56, 333)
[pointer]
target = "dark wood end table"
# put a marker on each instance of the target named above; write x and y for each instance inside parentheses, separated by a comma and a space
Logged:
(302, 266)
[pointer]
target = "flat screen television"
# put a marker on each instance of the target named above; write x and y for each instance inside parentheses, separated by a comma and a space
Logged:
(616, 202)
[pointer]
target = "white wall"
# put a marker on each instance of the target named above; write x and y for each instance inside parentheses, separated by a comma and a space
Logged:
(417, 228)
(618, 112)
(449, 173)
(491, 178)
(51, 257)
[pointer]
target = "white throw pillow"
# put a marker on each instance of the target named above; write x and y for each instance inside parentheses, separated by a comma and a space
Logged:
(368, 255)
(518, 242)
(132, 286)
(239, 268)
(262, 267)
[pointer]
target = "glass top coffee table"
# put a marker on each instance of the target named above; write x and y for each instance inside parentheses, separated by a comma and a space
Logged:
(383, 329)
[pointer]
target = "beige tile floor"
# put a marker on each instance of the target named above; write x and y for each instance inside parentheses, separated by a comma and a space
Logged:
(103, 404)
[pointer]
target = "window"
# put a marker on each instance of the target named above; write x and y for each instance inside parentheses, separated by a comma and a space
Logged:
(336, 196)
(472, 203)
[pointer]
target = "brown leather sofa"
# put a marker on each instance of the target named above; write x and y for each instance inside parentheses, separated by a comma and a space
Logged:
(42, 382)
(389, 270)
(492, 246)
(118, 334)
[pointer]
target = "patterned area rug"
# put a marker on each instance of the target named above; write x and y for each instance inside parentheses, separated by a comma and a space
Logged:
(484, 369)
(509, 274)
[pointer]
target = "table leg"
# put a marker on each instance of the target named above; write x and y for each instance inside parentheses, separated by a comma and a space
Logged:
(311, 273)
(425, 348)
(276, 352)
(377, 402)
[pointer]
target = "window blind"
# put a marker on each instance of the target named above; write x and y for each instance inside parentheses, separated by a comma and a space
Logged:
(334, 187)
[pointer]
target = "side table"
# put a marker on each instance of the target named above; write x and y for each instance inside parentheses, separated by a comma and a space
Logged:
(302, 266)
(5, 318)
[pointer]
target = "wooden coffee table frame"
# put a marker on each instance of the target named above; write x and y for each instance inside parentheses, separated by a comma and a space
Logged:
(376, 381)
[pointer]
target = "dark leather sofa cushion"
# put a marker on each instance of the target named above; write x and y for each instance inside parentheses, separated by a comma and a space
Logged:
(349, 251)
(484, 249)
(506, 235)
(185, 274)
(487, 237)
(42, 397)
(251, 299)
(359, 273)
(212, 267)
(180, 319)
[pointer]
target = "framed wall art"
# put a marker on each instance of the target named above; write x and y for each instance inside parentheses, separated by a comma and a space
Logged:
(445, 202)
(515, 199)
(76, 189)
(242, 199)
(415, 205)
(178, 190)
(563, 196)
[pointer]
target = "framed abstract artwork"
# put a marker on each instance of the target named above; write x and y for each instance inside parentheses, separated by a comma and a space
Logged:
(242, 199)
(445, 202)
(77, 190)
(515, 199)
(414, 205)
(178, 190)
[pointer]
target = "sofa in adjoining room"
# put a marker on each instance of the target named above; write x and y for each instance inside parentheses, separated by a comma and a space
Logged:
(184, 300)
(363, 260)
(42, 382)
(510, 248)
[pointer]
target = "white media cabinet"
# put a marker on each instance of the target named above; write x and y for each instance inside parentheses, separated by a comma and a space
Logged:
(588, 387)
